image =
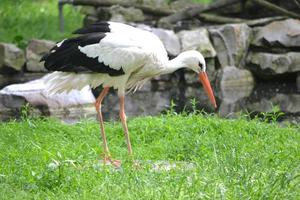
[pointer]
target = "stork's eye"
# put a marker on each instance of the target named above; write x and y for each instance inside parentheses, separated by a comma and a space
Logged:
(200, 65)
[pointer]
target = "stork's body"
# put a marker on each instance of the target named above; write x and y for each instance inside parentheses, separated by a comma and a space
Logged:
(117, 56)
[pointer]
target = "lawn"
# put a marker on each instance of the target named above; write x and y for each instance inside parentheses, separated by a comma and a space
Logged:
(231, 159)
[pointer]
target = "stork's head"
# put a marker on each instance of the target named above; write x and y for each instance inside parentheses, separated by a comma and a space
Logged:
(195, 61)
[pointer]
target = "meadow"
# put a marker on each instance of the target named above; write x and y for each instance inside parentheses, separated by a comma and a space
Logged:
(229, 159)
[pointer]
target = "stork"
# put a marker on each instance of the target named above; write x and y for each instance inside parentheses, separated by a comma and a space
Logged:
(118, 56)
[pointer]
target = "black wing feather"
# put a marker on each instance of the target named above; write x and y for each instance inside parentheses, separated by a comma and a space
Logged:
(68, 58)
(99, 27)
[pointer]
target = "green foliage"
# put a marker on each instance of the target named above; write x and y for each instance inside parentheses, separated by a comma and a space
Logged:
(233, 159)
(272, 116)
(22, 20)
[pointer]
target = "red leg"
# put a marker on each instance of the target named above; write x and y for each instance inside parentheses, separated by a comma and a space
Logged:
(124, 123)
(98, 103)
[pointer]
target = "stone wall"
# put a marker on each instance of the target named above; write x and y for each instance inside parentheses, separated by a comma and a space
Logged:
(251, 68)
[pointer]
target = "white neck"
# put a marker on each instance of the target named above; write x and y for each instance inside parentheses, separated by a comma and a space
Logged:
(173, 65)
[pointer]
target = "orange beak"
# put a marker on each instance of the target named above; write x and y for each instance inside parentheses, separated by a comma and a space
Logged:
(206, 84)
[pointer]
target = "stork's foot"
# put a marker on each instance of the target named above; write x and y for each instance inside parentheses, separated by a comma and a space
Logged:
(115, 163)
(107, 160)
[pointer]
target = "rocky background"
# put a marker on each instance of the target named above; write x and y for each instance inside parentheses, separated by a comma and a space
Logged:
(253, 64)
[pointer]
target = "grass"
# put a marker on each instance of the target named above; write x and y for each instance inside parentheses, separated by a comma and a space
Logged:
(22, 20)
(233, 159)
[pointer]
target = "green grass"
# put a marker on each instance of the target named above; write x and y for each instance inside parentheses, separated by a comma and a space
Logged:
(22, 20)
(233, 159)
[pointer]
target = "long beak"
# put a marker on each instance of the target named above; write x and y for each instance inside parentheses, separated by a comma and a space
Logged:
(206, 84)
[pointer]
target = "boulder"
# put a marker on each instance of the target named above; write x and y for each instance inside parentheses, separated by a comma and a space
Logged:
(90, 19)
(288, 103)
(139, 103)
(231, 42)
(169, 39)
(197, 93)
(18, 78)
(34, 52)
(298, 82)
(197, 39)
(12, 58)
(121, 14)
(154, 3)
(147, 103)
(234, 84)
(67, 106)
(88, 10)
(284, 33)
(274, 64)
(183, 4)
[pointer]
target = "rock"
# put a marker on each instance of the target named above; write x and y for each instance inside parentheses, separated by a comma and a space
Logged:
(34, 52)
(197, 39)
(162, 85)
(89, 19)
(288, 103)
(130, 14)
(155, 3)
(103, 14)
(298, 82)
(147, 87)
(284, 33)
(183, 4)
(139, 103)
(147, 103)
(88, 10)
(75, 104)
(164, 77)
(273, 64)
(197, 93)
(191, 78)
(18, 78)
(228, 110)
(231, 42)
(234, 84)
(12, 58)
(169, 39)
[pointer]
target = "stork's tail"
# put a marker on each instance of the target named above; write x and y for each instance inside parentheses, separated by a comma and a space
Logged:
(59, 82)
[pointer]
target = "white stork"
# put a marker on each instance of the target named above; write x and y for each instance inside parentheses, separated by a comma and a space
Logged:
(117, 56)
